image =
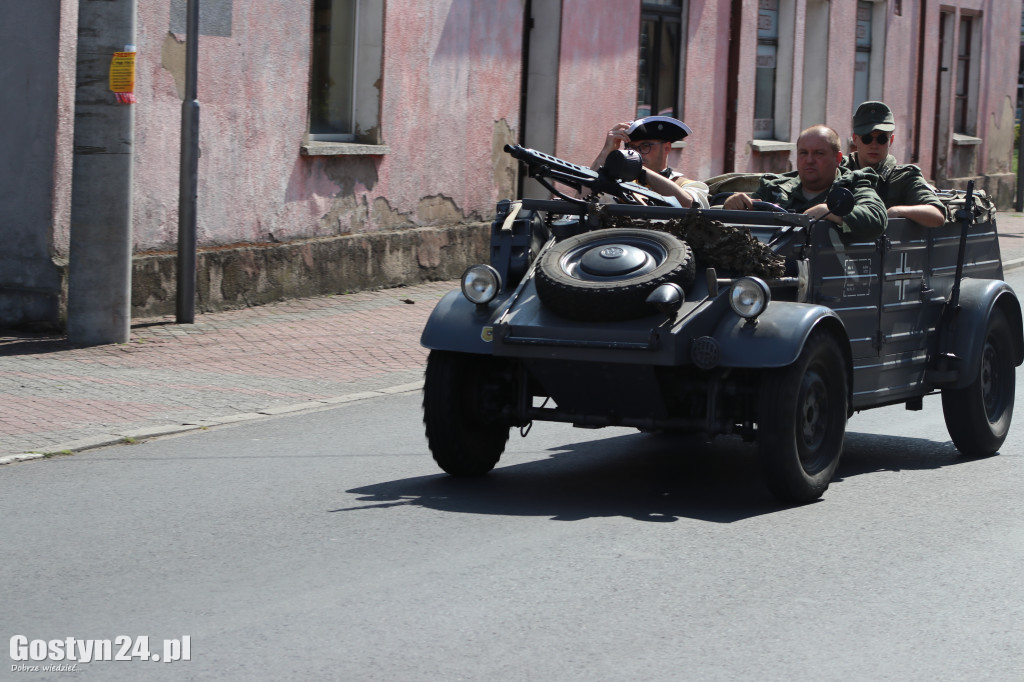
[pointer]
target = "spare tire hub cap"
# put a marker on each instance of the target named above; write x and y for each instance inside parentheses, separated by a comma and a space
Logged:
(613, 259)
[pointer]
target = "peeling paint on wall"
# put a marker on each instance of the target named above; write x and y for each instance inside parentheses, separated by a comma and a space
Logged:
(347, 214)
(999, 141)
(388, 218)
(505, 168)
(172, 58)
(438, 210)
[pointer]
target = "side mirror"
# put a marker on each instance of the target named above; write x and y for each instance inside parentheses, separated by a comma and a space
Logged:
(839, 201)
(623, 165)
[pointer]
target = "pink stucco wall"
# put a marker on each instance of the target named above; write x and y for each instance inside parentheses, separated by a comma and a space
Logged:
(706, 78)
(997, 80)
(899, 84)
(451, 99)
(841, 50)
(597, 74)
(252, 94)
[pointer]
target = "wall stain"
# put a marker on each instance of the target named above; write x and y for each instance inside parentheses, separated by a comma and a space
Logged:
(504, 167)
(172, 58)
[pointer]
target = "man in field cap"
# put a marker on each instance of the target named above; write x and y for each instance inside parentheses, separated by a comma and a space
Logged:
(873, 116)
(901, 186)
(652, 138)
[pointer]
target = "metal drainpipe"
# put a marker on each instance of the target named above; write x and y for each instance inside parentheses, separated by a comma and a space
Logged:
(188, 187)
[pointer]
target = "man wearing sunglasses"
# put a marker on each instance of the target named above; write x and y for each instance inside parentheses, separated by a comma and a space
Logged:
(901, 186)
(652, 138)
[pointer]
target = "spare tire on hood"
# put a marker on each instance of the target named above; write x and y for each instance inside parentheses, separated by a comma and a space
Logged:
(607, 275)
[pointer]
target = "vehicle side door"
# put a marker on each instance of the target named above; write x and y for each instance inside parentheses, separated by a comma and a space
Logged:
(846, 276)
(909, 311)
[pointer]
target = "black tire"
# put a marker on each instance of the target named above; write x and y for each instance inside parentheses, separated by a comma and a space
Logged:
(802, 421)
(566, 287)
(464, 439)
(978, 415)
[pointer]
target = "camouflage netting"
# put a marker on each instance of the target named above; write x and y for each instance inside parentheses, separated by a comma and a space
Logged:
(715, 244)
(984, 207)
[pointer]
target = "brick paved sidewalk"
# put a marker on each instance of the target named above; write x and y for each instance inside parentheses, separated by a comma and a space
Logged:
(228, 366)
(233, 365)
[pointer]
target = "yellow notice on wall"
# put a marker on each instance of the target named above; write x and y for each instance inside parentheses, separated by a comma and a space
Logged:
(122, 77)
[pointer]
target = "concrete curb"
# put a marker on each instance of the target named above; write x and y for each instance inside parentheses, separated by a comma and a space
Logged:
(133, 436)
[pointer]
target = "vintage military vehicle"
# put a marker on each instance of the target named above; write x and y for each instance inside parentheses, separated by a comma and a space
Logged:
(764, 324)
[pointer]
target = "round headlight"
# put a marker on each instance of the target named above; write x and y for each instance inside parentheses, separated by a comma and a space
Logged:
(480, 284)
(749, 297)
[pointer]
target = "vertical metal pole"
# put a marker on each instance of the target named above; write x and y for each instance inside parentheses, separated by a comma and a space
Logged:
(100, 249)
(189, 173)
(1018, 204)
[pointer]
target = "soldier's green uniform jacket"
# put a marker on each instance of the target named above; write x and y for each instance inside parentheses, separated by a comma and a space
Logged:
(899, 184)
(866, 221)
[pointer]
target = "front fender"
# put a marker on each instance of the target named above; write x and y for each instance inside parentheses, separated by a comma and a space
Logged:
(458, 325)
(978, 298)
(777, 337)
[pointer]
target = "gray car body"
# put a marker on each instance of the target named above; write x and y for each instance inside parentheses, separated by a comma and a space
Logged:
(885, 300)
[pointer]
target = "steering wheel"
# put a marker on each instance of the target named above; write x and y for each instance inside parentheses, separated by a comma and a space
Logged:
(768, 206)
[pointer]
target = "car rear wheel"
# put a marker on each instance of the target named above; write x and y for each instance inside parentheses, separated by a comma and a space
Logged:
(606, 275)
(802, 421)
(461, 401)
(978, 415)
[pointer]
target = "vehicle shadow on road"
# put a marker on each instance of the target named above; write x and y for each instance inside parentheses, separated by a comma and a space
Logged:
(647, 477)
(867, 453)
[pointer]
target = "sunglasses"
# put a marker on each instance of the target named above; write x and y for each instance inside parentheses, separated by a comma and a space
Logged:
(871, 137)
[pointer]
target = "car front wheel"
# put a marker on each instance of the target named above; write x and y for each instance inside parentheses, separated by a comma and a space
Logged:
(978, 415)
(802, 421)
(462, 394)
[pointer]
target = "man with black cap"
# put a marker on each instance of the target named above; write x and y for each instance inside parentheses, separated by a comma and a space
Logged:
(652, 138)
(901, 186)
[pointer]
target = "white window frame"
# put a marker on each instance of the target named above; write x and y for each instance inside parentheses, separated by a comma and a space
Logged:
(974, 70)
(783, 101)
(876, 58)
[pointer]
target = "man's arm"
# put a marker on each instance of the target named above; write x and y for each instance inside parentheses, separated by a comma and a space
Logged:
(922, 214)
(821, 211)
(615, 139)
(913, 199)
(662, 185)
(868, 219)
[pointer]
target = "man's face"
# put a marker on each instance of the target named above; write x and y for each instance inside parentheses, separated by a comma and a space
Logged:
(816, 162)
(653, 152)
(872, 148)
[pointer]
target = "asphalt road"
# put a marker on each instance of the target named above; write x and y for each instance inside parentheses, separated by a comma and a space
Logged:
(326, 545)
